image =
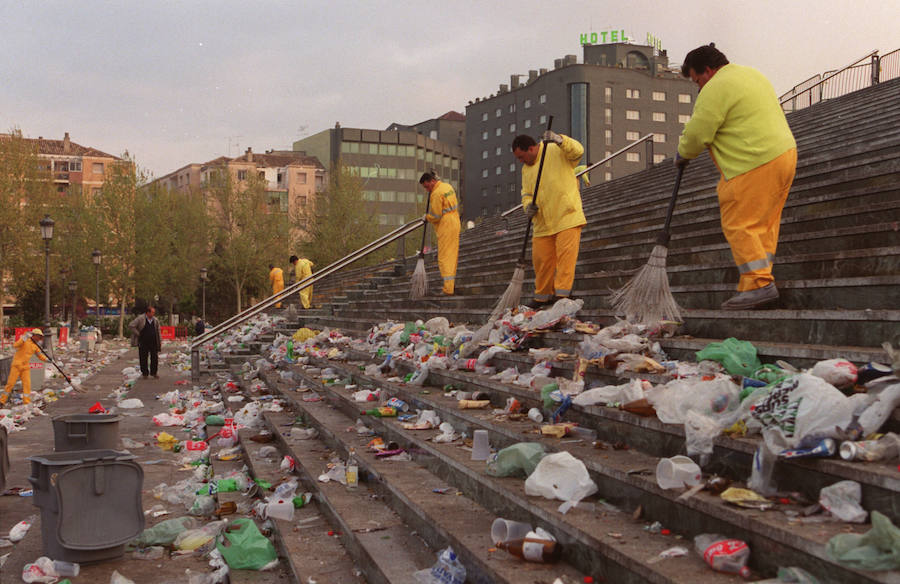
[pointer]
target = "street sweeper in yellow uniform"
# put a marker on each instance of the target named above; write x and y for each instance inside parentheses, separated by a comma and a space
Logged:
(443, 213)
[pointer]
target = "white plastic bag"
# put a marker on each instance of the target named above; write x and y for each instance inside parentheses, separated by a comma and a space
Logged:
(560, 476)
(838, 372)
(842, 499)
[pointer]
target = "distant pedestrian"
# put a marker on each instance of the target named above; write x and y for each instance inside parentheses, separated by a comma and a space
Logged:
(26, 347)
(302, 270)
(276, 276)
(145, 335)
(738, 118)
(443, 213)
(199, 327)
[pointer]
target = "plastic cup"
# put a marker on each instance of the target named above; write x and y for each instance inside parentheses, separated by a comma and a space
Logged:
(535, 415)
(506, 530)
(280, 509)
(677, 472)
(481, 446)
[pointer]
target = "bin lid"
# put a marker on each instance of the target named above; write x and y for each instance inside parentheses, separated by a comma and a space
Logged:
(99, 504)
(73, 457)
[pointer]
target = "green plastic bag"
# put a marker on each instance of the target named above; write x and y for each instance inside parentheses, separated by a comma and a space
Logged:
(738, 357)
(549, 404)
(214, 420)
(516, 460)
(244, 547)
(164, 532)
(876, 550)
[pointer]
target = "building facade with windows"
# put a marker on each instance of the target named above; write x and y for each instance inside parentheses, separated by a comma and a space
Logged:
(389, 162)
(618, 94)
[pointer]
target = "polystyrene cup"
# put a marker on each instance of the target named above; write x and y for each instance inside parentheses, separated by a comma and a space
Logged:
(506, 530)
(481, 446)
(678, 472)
(280, 509)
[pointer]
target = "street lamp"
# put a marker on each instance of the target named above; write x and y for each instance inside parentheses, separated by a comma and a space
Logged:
(46, 234)
(203, 278)
(64, 273)
(73, 286)
(96, 256)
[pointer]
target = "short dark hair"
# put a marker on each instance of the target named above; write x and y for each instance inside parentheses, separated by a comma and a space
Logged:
(293, 259)
(427, 176)
(271, 266)
(701, 58)
(523, 142)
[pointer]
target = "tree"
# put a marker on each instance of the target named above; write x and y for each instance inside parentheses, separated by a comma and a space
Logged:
(25, 197)
(339, 222)
(249, 232)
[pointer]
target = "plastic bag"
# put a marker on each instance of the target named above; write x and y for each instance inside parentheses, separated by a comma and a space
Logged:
(738, 357)
(244, 547)
(842, 499)
(447, 570)
(838, 372)
(876, 550)
(610, 394)
(517, 460)
(191, 539)
(164, 532)
(116, 578)
(560, 476)
(563, 308)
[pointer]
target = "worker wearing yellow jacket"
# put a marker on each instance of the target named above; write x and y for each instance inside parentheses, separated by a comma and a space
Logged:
(303, 270)
(738, 118)
(557, 216)
(276, 276)
(25, 347)
(443, 213)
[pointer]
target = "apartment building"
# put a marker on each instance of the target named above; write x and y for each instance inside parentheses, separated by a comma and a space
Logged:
(73, 165)
(619, 93)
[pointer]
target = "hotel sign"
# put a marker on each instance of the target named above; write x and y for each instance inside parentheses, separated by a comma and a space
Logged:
(606, 36)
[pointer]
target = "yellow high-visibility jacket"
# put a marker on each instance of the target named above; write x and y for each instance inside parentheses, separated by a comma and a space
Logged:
(738, 117)
(441, 202)
(25, 349)
(558, 197)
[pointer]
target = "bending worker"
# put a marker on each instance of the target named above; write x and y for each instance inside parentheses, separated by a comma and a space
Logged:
(443, 213)
(276, 276)
(557, 216)
(738, 118)
(26, 346)
(302, 271)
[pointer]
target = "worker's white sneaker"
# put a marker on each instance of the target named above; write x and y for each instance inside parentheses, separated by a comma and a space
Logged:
(752, 299)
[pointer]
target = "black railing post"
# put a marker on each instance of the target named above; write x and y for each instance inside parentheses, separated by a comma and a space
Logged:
(876, 69)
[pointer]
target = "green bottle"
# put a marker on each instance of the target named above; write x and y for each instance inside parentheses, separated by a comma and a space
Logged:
(382, 412)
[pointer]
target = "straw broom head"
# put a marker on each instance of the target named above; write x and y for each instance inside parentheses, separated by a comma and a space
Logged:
(646, 298)
(419, 284)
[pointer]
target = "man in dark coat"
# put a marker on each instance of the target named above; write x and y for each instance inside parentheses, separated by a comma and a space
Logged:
(145, 335)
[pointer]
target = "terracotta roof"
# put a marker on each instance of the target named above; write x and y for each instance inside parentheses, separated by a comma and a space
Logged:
(58, 147)
(277, 160)
(453, 117)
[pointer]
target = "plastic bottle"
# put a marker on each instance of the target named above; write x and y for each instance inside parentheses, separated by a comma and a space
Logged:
(533, 550)
(723, 554)
(352, 473)
(18, 531)
(448, 569)
(382, 412)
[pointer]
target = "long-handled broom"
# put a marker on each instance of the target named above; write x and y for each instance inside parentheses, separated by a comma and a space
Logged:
(646, 298)
(418, 287)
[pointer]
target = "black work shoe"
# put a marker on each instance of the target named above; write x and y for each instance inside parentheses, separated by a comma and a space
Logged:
(542, 304)
(752, 299)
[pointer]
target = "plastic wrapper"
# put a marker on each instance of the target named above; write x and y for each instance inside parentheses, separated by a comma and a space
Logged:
(191, 539)
(560, 476)
(738, 357)
(164, 532)
(610, 394)
(876, 550)
(517, 460)
(563, 308)
(842, 499)
(838, 372)
(705, 408)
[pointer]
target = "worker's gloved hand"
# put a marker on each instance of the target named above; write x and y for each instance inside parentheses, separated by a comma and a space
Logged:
(680, 162)
(425, 218)
(531, 210)
(551, 136)
(27, 336)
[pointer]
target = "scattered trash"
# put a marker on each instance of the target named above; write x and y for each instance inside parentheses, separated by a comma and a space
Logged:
(447, 570)
(842, 499)
(876, 550)
(723, 554)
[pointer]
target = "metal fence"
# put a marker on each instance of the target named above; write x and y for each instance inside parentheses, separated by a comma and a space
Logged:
(862, 73)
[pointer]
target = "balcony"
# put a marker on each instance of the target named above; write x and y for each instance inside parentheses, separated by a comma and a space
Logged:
(61, 177)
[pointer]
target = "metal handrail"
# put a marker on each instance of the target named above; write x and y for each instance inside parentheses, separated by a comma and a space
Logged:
(592, 166)
(305, 283)
(790, 96)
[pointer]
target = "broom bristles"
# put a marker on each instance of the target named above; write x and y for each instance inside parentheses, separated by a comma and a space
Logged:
(646, 298)
(512, 296)
(419, 284)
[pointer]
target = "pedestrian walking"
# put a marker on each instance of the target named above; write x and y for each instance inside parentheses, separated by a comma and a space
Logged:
(145, 335)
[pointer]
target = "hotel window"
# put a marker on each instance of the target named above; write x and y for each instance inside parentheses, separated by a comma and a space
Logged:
(512, 128)
(483, 192)
(512, 187)
(484, 135)
(607, 176)
(633, 93)
(543, 120)
(499, 112)
(498, 131)
(659, 138)
(484, 173)
(659, 96)
(578, 113)
(607, 154)
(659, 116)
(498, 170)
(497, 189)
(512, 166)
(607, 94)
(484, 154)
(632, 136)
(684, 98)
(527, 124)
(484, 117)
(633, 156)
(683, 118)
(542, 98)
(657, 158)
(527, 103)
(607, 115)
(512, 108)
(607, 134)
(632, 115)
(498, 151)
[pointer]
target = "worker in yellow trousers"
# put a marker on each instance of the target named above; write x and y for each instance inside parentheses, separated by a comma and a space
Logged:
(443, 213)
(738, 118)
(25, 347)
(276, 276)
(303, 270)
(557, 216)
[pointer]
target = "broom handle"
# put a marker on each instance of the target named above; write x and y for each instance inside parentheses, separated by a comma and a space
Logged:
(424, 231)
(537, 183)
(663, 238)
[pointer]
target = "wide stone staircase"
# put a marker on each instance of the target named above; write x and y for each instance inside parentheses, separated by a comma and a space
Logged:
(838, 272)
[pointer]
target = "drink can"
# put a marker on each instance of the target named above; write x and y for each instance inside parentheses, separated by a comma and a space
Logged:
(397, 404)
(823, 449)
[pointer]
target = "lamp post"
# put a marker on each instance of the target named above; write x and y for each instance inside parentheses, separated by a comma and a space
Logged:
(203, 278)
(47, 234)
(73, 286)
(96, 256)
(64, 273)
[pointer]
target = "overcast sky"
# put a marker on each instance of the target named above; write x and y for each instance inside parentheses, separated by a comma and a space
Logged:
(175, 82)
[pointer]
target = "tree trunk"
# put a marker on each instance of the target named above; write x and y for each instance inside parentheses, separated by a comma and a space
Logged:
(237, 289)
(122, 318)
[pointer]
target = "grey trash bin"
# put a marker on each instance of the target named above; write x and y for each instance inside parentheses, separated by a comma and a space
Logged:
(86, 432)
(90, 503)
(4, 458)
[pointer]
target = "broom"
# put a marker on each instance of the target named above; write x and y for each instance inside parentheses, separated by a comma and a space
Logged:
(418, 287)
(646, 298)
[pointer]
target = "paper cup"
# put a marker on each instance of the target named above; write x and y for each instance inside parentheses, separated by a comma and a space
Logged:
(280, 509)
(481, 446)
(677, 472)
(505, 530)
